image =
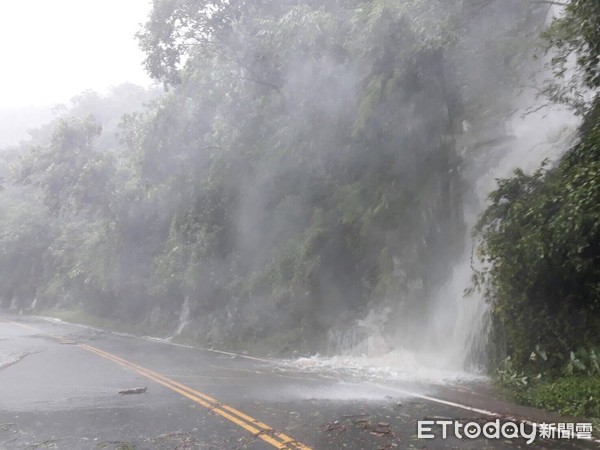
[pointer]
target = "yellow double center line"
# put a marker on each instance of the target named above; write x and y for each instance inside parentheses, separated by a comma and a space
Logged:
(256, 427)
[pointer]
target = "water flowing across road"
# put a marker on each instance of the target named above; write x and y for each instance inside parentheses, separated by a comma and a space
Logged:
(448, 341)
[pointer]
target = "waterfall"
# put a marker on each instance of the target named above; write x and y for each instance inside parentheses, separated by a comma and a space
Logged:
(448, 338)
(184, 316)
(458, 324)
(443, 334)
(462, 323)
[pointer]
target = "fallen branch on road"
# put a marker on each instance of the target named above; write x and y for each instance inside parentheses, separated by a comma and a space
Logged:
(138, 390)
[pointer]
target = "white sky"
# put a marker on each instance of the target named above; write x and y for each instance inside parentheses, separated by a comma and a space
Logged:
(51, 50)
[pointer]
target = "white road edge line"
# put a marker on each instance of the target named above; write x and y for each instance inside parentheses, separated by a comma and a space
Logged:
(461, 406)
(388, 388)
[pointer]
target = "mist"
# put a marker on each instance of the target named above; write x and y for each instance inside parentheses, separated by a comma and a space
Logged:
(305, 184)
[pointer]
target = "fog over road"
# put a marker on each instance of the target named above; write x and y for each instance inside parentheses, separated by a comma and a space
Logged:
(60, 383)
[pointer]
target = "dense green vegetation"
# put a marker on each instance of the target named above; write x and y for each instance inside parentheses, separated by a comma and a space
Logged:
(300, 170)
(541, 245)
(541, 238)
(306, 165)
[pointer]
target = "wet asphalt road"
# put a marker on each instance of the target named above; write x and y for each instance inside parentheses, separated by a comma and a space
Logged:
(60, 383)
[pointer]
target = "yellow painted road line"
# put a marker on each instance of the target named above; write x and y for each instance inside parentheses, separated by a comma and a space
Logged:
(205, 397)
(22, 325)
(37, 330)
(254, 431)
(256, 427)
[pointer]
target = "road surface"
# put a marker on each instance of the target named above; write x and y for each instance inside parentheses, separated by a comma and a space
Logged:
(60, 384)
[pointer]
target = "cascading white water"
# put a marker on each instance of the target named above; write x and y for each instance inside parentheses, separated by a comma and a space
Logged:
(449, 340)
(458, 324)
(184, 316)
(461, 323)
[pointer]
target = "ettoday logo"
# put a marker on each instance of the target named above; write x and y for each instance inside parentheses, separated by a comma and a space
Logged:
(473, 430)
(430, 429)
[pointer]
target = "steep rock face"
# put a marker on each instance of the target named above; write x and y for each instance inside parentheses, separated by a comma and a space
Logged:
(481, 78)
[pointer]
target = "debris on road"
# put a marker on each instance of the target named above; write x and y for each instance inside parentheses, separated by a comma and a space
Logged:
(350, 416)
(138, 390)
(334, 426)
(381, 429)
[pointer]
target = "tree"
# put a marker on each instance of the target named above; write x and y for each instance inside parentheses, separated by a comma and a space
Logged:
(72, 175)
(574, 40)
(540, 236)
(313, 150)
